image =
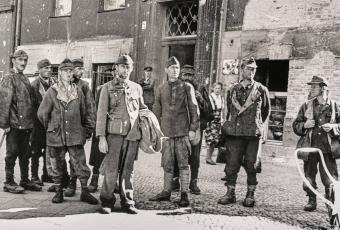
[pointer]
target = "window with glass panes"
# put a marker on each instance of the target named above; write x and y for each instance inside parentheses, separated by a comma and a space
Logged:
(62, 8)
(112, 4)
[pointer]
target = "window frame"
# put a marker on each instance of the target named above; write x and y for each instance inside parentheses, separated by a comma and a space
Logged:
(53, 10)
(101, 7)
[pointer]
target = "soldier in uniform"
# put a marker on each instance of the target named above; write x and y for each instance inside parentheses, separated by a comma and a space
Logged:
(38, 138)
(89, 102)
(117, 128)
(176, 109)
(148, 84)
(318, 120)
(17, 116)
(68, 123)
(248, 108)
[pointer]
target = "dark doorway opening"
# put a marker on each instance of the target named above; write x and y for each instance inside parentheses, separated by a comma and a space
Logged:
(184, 53)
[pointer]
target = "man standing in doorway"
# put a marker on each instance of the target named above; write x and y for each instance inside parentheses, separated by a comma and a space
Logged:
(148, 84)
(176, 109)
(248, 108)
(17, 116)
(117, 128)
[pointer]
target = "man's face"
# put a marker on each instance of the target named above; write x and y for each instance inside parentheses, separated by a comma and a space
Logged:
(187, 77)
(248, 73)
(147, 74)
(66, 74)
(124, 71)
(20, 63)
(78, 72)
(315, 90)
(173, 72)
(45, 72)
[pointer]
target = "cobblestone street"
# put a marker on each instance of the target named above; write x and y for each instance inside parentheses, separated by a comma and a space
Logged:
(279, 198)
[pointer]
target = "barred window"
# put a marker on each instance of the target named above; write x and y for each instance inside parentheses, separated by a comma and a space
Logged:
(62, 8)
(181, 19)
(112, 4)
(235, 14)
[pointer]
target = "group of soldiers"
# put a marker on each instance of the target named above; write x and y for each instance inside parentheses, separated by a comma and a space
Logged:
(50, 117)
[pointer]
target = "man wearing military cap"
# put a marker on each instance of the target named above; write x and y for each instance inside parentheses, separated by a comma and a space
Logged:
(68, 122)
(17, 114)
(89, 101)
(318, 122)
(117, 128)
(248, 107)
(177, 110)
(38, 138)
(148, 84)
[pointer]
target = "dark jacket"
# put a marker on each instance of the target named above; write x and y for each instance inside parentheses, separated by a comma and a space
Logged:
(176, 108)
(66, 124)
(250, 122)
(17, 102)
(85, 88)
(321, 114)
(148, 90)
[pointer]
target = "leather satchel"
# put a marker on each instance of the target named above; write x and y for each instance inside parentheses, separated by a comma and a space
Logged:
(304, 141)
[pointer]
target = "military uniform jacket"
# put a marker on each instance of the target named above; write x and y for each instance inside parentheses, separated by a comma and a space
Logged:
(248, 109)
(322, 114)
(148, 90)
(66, 124)
(176, 108)
(17, 102)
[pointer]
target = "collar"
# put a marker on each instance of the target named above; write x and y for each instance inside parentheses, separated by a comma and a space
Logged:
(247, 86)
(328, 101)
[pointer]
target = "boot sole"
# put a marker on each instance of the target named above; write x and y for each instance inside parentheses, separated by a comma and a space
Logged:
(14, 192)
(226, 203)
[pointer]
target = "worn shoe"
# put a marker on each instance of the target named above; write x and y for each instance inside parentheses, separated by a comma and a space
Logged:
(93, 186)
(184, 202)
(163, 196)
(130, 209)
(52, 188)
(311, 205)
(46, 178)
(249, 201)
(229, 197)
(193, 188)
(210, 162)
(59, 195)
(13, 187)
(29, 185)
(37, 181)
(71, 189)
(86, 196)
(175, 185)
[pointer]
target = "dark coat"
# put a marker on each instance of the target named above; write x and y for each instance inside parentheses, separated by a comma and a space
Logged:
(17, 102)
(176, 108)
(66, 124)
(148, 91)
(251, 121)
(85, 88)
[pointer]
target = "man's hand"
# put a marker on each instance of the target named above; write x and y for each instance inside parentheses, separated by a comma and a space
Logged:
(191, 135)
(328, 127)
(7, 130)
(309, 124)
(103, 145)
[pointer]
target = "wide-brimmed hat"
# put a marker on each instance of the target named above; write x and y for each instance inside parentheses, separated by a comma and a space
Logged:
(318, 80)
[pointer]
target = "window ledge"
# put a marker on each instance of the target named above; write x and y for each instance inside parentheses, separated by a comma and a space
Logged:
(62, 16)
(116, 9)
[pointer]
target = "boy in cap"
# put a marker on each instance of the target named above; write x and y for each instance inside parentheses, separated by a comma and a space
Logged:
(117, 128)
(68, 122)
(148, 84)
(89, 102)
(17, 115)
(176, 108)
(318, 119)
(248, 108)
(38, 138)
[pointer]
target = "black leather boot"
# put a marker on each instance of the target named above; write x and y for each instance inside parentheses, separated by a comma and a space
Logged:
(71, 189)
(249, 201)
(311, 205)
(194, 189)
(184, 202)
(59, 195)
(86, 196)
(229, 197)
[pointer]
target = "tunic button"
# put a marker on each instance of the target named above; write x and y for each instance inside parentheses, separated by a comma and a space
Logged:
(238, 124)
(66, 122)
(319, 133)
(20, 127)
(67, 132)
(20, 116)
(65, 110)
(320, 119)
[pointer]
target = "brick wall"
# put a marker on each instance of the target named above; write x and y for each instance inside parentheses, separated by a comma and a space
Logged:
(271, 14)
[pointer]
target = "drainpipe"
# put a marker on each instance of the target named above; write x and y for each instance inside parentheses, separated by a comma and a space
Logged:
(213, 49)
(14, 4)
(18, 24)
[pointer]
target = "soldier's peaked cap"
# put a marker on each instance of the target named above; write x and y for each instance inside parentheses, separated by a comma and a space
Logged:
(318, 80)
(124, 59)
(188, 69)
(250, 62)
(66, 64)
(43, 63)
(172, 61)
(78, 62)
(19, 53)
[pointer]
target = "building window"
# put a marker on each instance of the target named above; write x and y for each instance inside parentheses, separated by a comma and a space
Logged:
(106, 5)
(101, 74)
(181, 19)
(235, 14)
(274, 75)
(62, 8)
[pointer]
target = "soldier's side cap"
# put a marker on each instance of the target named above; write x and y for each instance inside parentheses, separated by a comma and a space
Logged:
(172, 61)
(124, 59)
(43, 63)
(250, 62)
(318, 80)
(148, 68)
(78, 62)
(19, 53)
(188, 69)
(66, 64)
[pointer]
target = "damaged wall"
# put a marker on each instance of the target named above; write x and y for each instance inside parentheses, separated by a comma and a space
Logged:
(5, 35)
